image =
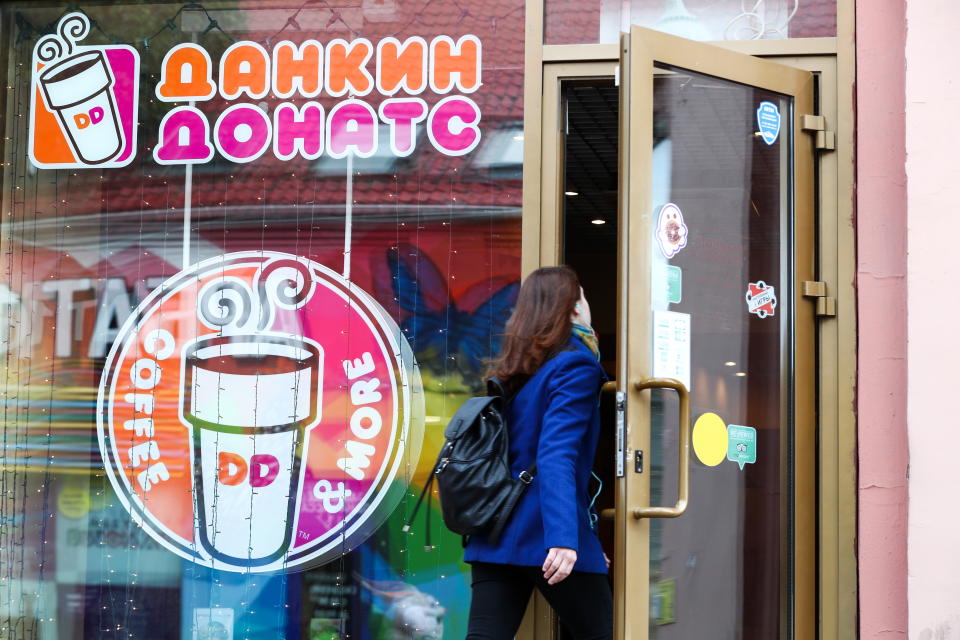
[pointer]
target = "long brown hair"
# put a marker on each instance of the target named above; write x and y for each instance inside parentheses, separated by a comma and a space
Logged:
(540, 325)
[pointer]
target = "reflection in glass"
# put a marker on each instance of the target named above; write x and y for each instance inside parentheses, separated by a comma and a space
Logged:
(718, 570)
(435, 242)
(571, 22)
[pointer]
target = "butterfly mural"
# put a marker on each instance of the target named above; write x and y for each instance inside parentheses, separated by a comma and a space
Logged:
(448, 336)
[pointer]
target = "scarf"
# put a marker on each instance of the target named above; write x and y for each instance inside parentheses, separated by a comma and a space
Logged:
(589, 337)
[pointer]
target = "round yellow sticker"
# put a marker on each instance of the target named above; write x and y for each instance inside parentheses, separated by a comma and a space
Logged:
(710, 439)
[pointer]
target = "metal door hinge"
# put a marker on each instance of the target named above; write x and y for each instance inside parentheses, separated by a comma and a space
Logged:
(824, 140)
(826, 305)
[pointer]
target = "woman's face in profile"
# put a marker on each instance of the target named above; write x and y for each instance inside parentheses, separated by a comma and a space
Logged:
(583, 315)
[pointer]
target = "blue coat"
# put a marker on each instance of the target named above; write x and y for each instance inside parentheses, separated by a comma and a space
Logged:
(555, 417)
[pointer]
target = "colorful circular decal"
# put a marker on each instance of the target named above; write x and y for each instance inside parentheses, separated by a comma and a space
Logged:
(260, 413)
(710, 439)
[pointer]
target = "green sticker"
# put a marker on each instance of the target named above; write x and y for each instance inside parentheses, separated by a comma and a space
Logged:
(667, 281)
(674, 284)
(741, 444)
(664, 593)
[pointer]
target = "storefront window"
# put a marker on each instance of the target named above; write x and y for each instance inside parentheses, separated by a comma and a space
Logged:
(253, 258)
(572, 22)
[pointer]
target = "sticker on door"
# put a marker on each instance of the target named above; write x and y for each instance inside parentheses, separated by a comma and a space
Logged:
(714, 440)
(671, 346)
(671, 230)
(710, 439)
(761, 299)
(667, 284)
(741, 444)
(768, 119)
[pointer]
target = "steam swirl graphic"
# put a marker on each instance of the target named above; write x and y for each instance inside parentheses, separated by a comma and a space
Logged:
(227, 303)
(72, 28)
(50, 48)
(230, 306)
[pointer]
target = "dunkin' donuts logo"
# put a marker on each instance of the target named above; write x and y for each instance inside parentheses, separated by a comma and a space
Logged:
(84, 100)
(84, 103)
(259, 413)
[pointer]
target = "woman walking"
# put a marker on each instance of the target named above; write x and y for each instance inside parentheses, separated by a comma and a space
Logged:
(550, 361)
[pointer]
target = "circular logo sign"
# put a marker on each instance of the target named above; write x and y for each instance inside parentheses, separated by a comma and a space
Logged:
(259, 413)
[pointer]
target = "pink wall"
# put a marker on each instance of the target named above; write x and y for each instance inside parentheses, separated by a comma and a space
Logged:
(933, 190)
(882, 320)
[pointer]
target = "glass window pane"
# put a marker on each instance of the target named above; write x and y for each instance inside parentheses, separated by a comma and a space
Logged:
(242, 422)
(569, 22)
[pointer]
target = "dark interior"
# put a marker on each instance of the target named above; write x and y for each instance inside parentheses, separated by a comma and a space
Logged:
(590, 247)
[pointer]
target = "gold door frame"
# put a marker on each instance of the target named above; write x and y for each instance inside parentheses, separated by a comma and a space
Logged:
(545, 224)
(833, 61)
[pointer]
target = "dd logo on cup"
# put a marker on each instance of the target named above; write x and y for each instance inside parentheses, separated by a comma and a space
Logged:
(260, 413)
(83, 107)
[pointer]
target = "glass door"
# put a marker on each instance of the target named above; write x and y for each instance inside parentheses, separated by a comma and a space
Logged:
(715, 499)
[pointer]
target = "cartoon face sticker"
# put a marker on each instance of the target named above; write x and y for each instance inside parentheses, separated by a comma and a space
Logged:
(671, 230)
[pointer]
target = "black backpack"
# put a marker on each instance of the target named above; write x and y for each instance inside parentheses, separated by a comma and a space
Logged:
(477, 490)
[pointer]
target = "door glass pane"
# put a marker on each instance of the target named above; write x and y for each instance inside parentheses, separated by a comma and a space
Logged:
(721, 288)
(578, 22)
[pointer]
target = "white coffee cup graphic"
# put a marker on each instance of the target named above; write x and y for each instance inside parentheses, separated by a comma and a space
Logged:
(249, 400)
(79, 90)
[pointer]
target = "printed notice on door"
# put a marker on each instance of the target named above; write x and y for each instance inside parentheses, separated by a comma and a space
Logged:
(671, 346)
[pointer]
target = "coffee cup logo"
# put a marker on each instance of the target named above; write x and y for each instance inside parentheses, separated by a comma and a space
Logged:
(84, 102)
(260, 413)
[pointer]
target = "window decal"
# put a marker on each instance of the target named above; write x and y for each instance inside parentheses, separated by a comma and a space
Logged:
(84, 106)
(256, 411)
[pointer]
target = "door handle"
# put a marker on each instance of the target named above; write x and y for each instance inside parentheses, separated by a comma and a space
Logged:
(683, 468)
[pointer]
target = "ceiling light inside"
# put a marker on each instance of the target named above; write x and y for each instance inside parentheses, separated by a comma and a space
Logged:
(571, 193)
(598, 221)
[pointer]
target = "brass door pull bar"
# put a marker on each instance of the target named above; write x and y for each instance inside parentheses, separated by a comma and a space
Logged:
(683, 470)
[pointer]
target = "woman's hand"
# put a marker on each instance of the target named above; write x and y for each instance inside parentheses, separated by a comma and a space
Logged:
(606, 559)
(559, 564)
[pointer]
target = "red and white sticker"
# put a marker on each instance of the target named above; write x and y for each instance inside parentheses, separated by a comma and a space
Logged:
(761, 299)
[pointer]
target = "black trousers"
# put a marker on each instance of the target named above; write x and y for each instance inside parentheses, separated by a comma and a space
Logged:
(501, 592)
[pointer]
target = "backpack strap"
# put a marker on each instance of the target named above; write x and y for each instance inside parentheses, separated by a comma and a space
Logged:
(519, 488)
(425, 492)
(495, 387)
